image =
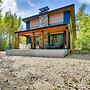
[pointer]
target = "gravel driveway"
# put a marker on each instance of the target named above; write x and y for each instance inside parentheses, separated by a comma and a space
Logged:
(34, 73)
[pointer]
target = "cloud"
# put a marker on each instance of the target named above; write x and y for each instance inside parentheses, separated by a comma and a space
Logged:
(30, 2)
(84, 1)
(9, 5)
(13, 6)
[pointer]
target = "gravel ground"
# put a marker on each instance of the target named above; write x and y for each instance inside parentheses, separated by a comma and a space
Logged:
(34, 73)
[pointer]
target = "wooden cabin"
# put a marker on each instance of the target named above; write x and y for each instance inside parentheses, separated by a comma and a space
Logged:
(53, 29)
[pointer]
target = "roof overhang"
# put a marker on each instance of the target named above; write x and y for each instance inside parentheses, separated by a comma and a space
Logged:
(48, 29)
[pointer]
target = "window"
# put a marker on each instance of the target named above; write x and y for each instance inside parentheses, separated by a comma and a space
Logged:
(56, 41)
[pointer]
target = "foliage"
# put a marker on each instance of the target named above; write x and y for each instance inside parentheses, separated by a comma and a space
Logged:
(83, 41)
(12, 23)
(81, 10)
(0, 1)
(83, 38)
(9, 24)
(23, 40)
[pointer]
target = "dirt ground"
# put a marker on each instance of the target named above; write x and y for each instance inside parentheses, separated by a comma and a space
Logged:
(36, 73)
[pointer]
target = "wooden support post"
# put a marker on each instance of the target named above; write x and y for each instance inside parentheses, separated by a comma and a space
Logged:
(67, 39)
(33, 41)
(73, 23)
(42, 44)
(73, 27)
(18, 41)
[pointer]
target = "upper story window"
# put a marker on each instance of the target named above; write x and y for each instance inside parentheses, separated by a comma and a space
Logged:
(43, 20)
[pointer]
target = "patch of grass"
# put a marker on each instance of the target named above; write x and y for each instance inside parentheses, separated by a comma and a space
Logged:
(57, 88)
(88, 82)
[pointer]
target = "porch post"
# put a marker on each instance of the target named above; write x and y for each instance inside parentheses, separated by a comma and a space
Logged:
(66, 38)
(33, 41)
(18, 41)
(42, 44)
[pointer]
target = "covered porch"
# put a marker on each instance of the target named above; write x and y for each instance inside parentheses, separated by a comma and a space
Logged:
(51, 37)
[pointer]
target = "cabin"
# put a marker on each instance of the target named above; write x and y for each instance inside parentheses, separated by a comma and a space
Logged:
(50, 29)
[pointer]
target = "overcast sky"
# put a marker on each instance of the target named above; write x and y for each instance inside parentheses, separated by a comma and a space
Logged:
(25, 8)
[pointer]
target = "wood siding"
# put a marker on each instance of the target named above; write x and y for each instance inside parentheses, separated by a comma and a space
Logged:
(34, 23)
(55, 18)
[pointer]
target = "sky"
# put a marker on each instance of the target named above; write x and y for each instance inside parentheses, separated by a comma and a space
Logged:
(26, 8)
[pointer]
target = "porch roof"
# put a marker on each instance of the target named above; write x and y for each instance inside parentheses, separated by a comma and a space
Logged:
(60, 27)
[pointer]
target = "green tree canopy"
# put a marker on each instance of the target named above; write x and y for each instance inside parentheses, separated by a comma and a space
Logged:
(9, 24)
(83, 38)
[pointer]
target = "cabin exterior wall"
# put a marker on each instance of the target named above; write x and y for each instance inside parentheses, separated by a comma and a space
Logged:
(56, 18)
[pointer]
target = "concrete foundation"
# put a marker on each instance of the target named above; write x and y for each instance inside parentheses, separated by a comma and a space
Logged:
(38, 52)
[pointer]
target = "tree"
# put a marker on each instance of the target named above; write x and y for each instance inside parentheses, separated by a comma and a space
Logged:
(0, 1)
(9, 24)
(83, 39)
(12, 24)
(81, 10)
(2, 33)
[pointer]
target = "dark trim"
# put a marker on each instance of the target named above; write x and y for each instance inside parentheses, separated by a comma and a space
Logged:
(69, 40)
(27, 25)
(48, 38)
(64, 38)
(28, 40)
(67, 17)
(41, 28)
(28, 18)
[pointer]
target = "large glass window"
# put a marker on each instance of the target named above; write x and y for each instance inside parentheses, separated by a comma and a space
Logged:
(56, 41)
(37, 42)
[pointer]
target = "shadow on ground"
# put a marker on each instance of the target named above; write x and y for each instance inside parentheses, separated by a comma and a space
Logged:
(78, 56)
